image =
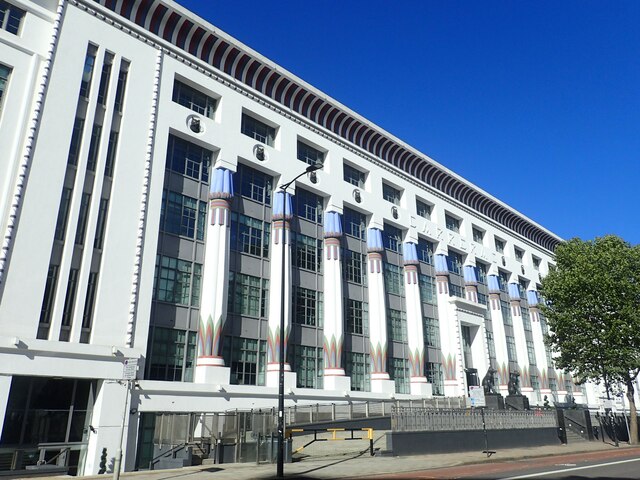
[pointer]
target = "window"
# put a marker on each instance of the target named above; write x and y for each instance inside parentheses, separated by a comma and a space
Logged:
(511, 349)
(499, 245)
(503, 279)
(353, 175)
(82, 218)
(422, 209)
(308, 205)
(49, 295)
(63, 213)
(526, 319)
(506, 313)
(354, 224)
(308, 363)
(248, 295)
(454, 262)
(519, 254)
(253, 184)
(356, 317)
(481, 272)
(90, 299)
(177, 281)
(435, 376)
(105, 75)
(257, 130)
(355, 267)
(427, 288)
(392, 238)
(121, 86)
(308, 252)
(248, 358)
(522, 288)
(568, 386)
(397, 325)
(482, 298)
(456, 290)
(101, 223)
(478, 235)
(76, 138)
(188, 159)
(391, 194)
(10, 17)
(536, 262)
(531, 352)
(357, 367)
(535, 383)
(307, 307)
(70, 298)
(87, 73)
(310, 155)
(182, 215)
(425, 251)
(172, 354)
(452, 223)
(4, 78)
(553, 386)
(491, 345)
(400, 374)
(193, 99)
(93, 148)
(111, 154)
(393, 279)
(250, 235)
(431, 331)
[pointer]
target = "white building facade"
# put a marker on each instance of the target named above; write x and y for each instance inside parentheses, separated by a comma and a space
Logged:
(141, 218)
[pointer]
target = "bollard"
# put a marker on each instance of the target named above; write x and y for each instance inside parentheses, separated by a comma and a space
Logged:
(219, 451)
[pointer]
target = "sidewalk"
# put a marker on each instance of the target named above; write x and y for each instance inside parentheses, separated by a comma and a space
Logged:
(356, 465)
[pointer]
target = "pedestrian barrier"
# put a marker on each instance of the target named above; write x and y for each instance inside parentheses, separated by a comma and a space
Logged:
(334, 436)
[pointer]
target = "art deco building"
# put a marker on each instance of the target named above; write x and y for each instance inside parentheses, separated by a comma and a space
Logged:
(141, 218)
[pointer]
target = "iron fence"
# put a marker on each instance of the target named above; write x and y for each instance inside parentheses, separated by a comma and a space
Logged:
(408, 419)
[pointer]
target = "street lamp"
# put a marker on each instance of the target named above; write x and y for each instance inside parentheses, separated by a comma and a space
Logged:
(280, 461)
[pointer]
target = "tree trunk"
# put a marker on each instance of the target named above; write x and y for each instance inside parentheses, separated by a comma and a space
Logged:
(633, 414)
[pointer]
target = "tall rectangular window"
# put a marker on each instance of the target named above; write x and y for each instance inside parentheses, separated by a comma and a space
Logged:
(172, 354)
(248, 295)
(188, 159)
(531, 352)
(354, 223)
(454, 262)
(491, 345)
(452, 223)
(393, 279)
(49, 295)
(87, 71)
(392, 238)
(308, 205)
(258, 130)
(499, 245)
(308, 364)
(435, 376)
(391, 194)
(308, 252)
(519, 253)
(511, 348)
(101, 223)
(94, 145)
(63, 213)
(4, 78)
(250, 235)
(82, 218)
(425, 251)
(526, 318)
(253, 184)
(536, 262)
(506, 313)
(193, 99)
(76, 139)
(121, 86)
(10, 17)
(503, 278)
(105, 75)
(355, 267)
(400, 374)
(478, 235)
(353, 175)
(89, 302)
(357, 367)
(111, 154)
(309, 155)
(397, 325)
(423, 209)
(70, 297)
(356, 317)
(307, 306)
(182, 215)
(481, 272)
(177, 281)
(248, 361)
(431, 331)
(522, 288)
(427, 287)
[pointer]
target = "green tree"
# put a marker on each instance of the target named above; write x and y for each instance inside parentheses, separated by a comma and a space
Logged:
(592, 306)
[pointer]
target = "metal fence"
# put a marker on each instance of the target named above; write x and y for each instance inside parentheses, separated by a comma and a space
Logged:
(409, 419)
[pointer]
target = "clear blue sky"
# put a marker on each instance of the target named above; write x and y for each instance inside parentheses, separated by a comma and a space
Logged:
(536, 102)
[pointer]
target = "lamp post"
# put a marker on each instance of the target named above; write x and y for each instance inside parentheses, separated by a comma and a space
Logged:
(280, 460)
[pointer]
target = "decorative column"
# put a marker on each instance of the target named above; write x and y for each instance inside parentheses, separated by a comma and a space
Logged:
(280, 232)
(213, 306)
(499, 334)
(334, 376)
(470, 283)
(380, 380)
(419, 384)
(520, 339)
(538, 344)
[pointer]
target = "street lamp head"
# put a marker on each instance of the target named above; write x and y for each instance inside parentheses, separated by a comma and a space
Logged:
(313, 168)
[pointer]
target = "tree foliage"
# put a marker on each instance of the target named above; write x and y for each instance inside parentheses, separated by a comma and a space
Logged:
(592, 306)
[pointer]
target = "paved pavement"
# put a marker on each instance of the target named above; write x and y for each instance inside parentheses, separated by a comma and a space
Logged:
(360, 465)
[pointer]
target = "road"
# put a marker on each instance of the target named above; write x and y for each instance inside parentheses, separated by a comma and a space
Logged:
(623, 464)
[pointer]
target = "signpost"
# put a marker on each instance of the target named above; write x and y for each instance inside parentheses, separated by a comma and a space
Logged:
(476, 396)
(129, 373)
